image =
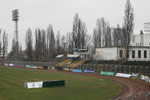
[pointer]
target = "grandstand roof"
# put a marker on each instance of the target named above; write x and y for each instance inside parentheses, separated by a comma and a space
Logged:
(72, 55)
(59, 56)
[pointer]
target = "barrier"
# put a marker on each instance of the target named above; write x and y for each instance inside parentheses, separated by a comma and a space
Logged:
(40, 67)
(77, 70)
(29, 66)
(88, 71)
(53, 83)
(42, 84)
(67, 69)
(134, 75)
(107, 73)
(145, 78)
(34, 67)
(11, 64)
(6, 64)
(33, 84)
(123, 75)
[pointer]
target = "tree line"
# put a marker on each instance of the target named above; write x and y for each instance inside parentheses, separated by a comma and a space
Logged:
(47, 44)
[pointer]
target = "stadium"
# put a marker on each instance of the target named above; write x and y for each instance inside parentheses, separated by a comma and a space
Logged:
(130, 78)
(100, 62)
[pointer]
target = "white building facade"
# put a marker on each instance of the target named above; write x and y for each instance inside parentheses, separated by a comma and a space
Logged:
(141, 40)
(118, 53)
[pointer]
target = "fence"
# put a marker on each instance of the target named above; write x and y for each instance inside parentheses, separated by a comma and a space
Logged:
(127, 69)
(49, 65)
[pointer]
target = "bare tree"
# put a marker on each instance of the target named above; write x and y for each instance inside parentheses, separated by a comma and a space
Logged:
(75, 31)
(78, 33)
(43, 43)
(102, 33)
(128, 25)
(95, 38)
(5, 44)
(108, 37)
(83, 35)
(58, 46)
(0, 45)
(38, 44)
(51, 42)
(63, 43)
(69, 45)
(88, 41)
(28, 41)
(117, 36)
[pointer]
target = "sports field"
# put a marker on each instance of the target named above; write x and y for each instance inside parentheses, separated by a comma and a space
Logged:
(77, 87)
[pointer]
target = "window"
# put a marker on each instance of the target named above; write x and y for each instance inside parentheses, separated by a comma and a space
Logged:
(121, 53)
(145, 54)
(139, 53)
(133, 54)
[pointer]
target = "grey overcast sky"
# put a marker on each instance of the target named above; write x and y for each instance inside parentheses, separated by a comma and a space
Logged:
(60, 13)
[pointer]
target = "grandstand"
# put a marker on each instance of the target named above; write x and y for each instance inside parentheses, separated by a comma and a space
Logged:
(76, 63)
(60, 65)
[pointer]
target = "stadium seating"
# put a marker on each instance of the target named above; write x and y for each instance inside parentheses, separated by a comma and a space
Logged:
(76, 63)
(63, 63)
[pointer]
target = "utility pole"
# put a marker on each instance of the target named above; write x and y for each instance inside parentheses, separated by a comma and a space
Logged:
(15, 19)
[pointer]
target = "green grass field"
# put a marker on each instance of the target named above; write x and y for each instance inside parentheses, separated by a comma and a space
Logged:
(76, 88)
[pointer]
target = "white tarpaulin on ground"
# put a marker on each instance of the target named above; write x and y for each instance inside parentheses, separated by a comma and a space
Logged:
(11, 64)
(6, 64)
(134, 75)
(123, 75)
(145, 78)
(33, 84)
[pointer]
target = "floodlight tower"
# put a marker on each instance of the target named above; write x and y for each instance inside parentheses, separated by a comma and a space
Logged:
(15, 19)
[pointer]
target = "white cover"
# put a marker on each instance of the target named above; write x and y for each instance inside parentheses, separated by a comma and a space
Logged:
(33, 84)
(11, 64)
(6, 64)
(145, 78)
(123, 75)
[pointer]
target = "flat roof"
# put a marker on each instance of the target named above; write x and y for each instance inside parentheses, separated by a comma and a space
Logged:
(72, 55)
(59, 56)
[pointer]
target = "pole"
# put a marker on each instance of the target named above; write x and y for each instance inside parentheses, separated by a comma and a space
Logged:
(17, 44)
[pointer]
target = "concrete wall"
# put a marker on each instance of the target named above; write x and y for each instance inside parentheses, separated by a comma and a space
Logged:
(106, 53)
(142, 54)
(113, 53)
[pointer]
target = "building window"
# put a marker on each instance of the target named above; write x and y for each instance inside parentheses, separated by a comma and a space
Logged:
(145, 54)
(121, 53)
(139, 53)
(133, 54)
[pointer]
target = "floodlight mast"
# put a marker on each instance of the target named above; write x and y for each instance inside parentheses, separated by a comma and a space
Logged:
(15, 18)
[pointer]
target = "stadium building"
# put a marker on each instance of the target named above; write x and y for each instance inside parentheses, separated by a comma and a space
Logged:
(136, 53)
(139, 49)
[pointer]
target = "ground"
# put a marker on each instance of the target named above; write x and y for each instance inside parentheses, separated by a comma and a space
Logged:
(78, 87)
